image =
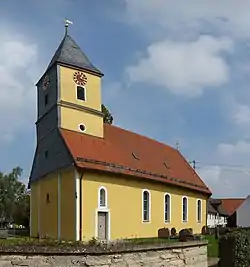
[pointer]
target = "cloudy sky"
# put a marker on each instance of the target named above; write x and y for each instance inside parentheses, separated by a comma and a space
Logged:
(174, 70)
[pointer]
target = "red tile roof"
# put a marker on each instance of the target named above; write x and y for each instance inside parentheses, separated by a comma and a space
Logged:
(122, 151)
(231, 204)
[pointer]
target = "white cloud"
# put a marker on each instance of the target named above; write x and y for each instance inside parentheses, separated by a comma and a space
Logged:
(226, 16)
(230, 176)
(240, 147)
(226, 182)
(184, 67)
(18, 64)
(242, 114)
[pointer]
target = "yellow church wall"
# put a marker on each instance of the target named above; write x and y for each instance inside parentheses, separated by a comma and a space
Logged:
(71, 118)
(34, 209)
(68, 89)
(44, 211)
(68, 228)
(48, 210)
(124, 198)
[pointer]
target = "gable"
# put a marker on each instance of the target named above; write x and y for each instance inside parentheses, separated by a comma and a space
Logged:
(230, 205)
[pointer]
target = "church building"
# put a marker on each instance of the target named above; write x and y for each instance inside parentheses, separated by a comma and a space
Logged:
(92, 179)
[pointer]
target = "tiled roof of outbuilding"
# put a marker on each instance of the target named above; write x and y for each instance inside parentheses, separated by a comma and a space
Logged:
(231, 204)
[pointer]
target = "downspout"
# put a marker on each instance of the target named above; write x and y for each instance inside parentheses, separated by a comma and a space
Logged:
(80, 207)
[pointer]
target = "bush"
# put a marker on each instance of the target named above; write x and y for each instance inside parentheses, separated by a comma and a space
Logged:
(234, 248)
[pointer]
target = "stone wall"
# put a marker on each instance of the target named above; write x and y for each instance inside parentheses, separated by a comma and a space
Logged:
(190, 254)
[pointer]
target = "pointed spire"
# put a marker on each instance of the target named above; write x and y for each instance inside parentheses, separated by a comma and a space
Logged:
(69, 53)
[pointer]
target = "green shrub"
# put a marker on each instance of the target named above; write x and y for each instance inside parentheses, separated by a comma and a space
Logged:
(236, 245)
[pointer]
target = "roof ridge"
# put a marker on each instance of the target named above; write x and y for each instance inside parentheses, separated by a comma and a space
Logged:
(57, 54)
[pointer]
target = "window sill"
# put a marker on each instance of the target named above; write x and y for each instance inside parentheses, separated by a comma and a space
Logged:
(148, 221)
(167, 221)
(184, 221)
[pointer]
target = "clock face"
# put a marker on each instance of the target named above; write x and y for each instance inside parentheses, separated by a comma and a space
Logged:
(80, 78)
(46, 82)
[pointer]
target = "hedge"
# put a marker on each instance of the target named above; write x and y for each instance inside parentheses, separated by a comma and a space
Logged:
(234, 248)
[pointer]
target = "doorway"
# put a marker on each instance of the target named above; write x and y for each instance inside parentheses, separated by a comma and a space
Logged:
(102, 225)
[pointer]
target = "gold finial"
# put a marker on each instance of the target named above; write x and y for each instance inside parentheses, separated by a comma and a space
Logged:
(66, 23)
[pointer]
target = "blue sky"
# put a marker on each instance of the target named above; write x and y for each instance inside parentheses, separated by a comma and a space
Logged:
(174, 70)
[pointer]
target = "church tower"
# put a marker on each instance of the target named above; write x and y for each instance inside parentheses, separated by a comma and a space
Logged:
(69, 92)
(68, 97)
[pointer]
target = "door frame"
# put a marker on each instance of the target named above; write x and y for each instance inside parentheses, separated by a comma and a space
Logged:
(107, 211)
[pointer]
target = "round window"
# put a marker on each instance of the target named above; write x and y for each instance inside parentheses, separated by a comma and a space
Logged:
(82, 127)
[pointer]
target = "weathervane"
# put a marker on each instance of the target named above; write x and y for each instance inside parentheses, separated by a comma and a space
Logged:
(67, 22)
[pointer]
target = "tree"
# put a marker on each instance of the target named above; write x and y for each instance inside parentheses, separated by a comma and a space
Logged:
(21, 213)
(12, 193)
(108, 118)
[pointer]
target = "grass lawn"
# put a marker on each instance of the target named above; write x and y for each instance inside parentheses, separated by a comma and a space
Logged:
(213, 246)
(151, 240)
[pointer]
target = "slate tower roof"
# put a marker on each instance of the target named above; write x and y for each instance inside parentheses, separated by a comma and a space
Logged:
(70, 53)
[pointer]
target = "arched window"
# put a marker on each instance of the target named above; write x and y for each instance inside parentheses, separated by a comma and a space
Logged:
(81, 94)
(146, 206)
(199, 210)
(102, 197)
(167, 207)
(184, 209)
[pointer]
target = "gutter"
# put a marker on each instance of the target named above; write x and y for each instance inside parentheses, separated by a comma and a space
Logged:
(80, 206)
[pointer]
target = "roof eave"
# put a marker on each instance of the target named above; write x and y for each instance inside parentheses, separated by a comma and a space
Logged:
(91, 71)
(207, 193)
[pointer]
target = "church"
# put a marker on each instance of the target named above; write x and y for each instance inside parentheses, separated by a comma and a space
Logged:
(90, 179)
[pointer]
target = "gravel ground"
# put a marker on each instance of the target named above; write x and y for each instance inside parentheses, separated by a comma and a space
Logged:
(213, 262)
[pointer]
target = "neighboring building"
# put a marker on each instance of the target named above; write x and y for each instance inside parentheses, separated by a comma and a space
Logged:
(90, 179)
(238, 210)
(217, 216)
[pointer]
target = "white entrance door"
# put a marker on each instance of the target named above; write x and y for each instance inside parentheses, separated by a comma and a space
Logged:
(102, 225)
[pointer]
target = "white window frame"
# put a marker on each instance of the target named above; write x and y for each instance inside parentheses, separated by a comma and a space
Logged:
(169, 208)
(149, 206)
(184, 221)
(197, 211)
(80, 129)
(99, 198)
(85, 94)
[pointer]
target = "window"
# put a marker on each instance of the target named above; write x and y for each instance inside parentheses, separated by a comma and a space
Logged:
(166, 165)
(199, 210)
(46, 99)
(46, 154)
(81, 93)
(47, 198)
(82, 127)
(167, 204)
(134, 155)
(102, 197)
(146, 206)
(184, 209)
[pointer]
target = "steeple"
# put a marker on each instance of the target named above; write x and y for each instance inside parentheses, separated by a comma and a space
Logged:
(69, 92)
(70, 54)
